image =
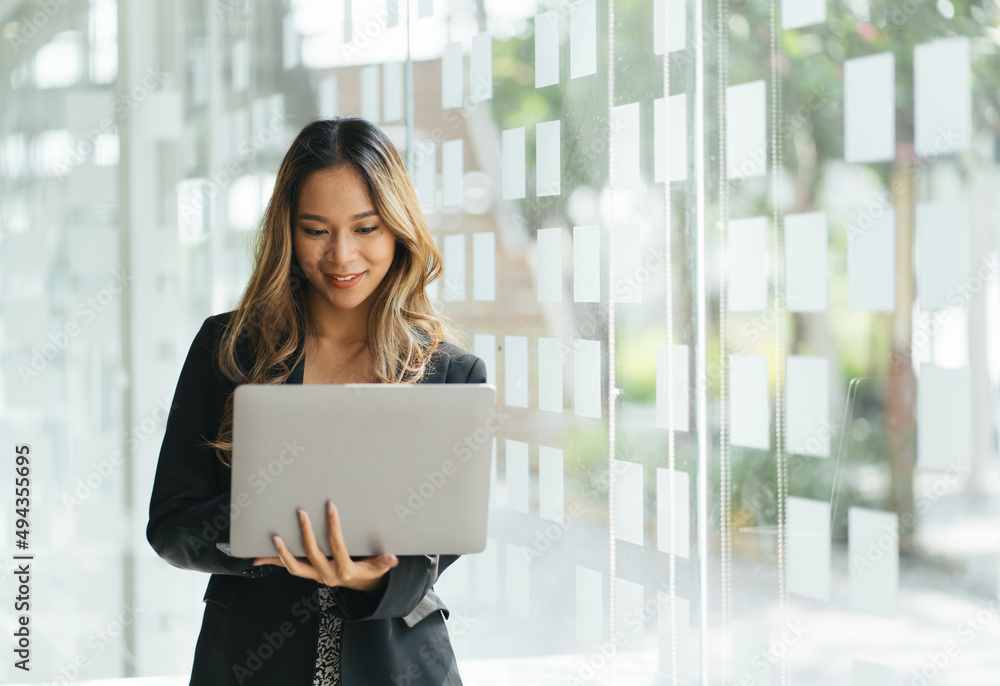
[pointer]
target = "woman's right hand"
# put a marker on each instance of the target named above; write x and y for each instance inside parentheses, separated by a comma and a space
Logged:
(363, 574)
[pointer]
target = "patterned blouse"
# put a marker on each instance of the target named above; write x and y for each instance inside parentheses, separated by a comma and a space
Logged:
(328, 647)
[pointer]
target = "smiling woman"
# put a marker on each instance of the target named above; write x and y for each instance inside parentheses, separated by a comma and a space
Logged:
(337, 294)
(345, 250)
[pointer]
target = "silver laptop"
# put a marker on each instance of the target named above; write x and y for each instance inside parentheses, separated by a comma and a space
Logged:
(408, 466)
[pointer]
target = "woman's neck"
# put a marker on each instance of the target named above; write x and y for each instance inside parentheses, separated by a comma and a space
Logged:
(337, 327)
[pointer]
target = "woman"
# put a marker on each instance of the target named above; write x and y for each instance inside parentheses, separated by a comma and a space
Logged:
(337, 295)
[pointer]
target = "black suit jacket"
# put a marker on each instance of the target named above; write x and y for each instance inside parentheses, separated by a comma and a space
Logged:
(261, 623)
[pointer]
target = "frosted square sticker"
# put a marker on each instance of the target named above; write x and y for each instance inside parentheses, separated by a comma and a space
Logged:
(676, 25)
(871, 261)
(587, 378)
(944, 419)
(547, 175)
(583, 39)
(549, 265)
(749, 407)
(808, 547)
(550, 483)
(513, 163)
(678, 138)
(550, 368)
(942, 97)
(516, 371)
(806, 273)
(807, 389)
(516, 477)
(586, 264)
(870, 108)
(796, 14)
(452, 172)
(681, 512)
(481, 68)
(454, 269)
(484, 266)
(546, 49)
(873, 558)
(628, 502)
(746, 139)
(451, 75)
(679, 392)
(942, 254)
(746, 256)
(625, 129)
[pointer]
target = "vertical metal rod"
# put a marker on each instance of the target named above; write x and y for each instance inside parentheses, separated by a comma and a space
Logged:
(701, 340)
(123, 83)
(612, 389)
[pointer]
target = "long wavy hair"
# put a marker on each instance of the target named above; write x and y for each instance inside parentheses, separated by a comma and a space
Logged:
(404, 331)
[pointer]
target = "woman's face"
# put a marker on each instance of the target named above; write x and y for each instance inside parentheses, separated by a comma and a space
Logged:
(337, 233)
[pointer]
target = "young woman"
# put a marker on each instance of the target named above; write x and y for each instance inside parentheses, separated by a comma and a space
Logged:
(337, 295)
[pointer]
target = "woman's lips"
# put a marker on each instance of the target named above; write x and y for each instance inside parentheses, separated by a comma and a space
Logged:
(344, 284)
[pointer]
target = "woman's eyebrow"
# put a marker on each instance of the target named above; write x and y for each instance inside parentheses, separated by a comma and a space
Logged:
(360, 215)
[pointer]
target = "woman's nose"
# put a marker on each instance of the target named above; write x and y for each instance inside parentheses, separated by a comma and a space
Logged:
(342, 248)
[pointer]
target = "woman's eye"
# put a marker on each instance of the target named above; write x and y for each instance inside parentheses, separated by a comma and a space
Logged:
(314, 232)
(368, 229)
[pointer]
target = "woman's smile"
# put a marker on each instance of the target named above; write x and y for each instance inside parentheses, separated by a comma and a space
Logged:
(344, 283)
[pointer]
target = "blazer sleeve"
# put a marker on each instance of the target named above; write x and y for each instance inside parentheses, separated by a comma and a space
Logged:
(189, 505)
(409, 580)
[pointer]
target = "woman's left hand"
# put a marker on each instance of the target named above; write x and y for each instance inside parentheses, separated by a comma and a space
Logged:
(364, 574)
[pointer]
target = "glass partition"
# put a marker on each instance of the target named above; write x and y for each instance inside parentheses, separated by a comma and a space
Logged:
(732, 267)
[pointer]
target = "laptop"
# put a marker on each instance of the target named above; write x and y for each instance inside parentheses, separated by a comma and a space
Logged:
(407, 465)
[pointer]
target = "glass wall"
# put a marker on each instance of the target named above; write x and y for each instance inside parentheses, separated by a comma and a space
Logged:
(732, 267)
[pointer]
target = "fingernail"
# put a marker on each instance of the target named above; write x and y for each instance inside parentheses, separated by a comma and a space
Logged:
(302, 514)
(276, 538)
(329, 507)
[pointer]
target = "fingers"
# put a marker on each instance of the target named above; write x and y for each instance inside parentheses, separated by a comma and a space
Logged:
(295, 566)
(327, 575)
(342, 570)
(379, 564)
(345, 566)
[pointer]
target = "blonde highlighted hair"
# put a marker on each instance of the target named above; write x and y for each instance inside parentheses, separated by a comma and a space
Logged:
(404, 331)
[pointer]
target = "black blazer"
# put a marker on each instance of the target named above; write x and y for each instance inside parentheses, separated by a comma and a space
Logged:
(261, 624)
